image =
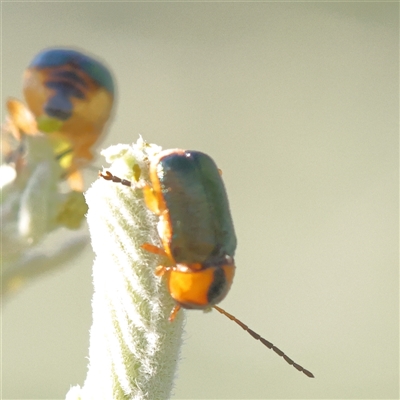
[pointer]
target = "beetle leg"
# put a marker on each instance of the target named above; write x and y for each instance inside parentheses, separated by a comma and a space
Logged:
(161, 269)
(174, 312)
(154, 249)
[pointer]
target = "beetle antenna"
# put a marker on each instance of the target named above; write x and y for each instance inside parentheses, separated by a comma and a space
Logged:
(110, 177)
(265, 342)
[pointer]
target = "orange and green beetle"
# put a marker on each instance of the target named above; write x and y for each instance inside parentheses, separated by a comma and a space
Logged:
(196, 229)
(70, 97)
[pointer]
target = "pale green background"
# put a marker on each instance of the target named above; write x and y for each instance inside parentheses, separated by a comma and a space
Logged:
(298, 104)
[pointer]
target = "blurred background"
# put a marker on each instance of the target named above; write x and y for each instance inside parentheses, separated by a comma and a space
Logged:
(298, 105)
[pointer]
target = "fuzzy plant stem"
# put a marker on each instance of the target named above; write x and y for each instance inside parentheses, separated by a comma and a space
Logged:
(33, 207)
(133, 348)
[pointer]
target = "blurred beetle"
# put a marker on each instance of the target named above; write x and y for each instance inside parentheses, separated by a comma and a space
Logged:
(70, 96)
